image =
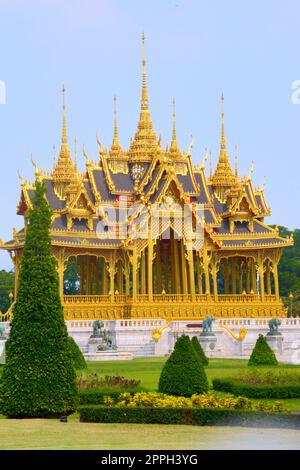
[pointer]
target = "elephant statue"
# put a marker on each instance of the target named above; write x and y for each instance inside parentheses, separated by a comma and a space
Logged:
(207, 326)
(97, 328)
(274, 323)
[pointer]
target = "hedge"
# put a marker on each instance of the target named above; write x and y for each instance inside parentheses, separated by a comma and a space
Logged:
(256, 391)
(95, 396)
(193, 416)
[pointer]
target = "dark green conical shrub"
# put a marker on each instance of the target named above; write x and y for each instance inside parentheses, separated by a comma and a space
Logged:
(76, 355)
(183, 374)
(262, 354)
(199, 351)
(38, 377)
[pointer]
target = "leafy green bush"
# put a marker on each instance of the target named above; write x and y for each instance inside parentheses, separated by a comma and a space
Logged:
(96, 396)
(199, 351)
(268, 377)
(262, 354)
(93, 380)
(183, 374)
(256, 391)
(76, 355)
(38, 377)
(194, 416)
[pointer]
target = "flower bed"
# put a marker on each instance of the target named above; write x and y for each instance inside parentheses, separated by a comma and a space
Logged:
(206, 400)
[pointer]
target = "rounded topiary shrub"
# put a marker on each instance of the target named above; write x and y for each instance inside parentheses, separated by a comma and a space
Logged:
(183, 374)
(76, 355)
(262, 354)
(199, 351)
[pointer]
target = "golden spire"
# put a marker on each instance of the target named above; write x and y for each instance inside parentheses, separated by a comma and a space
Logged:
(64, 136)
(236, 160)
(174, 146)
(223, 176)
(115, 147)
(75, 153)
(64, 171)
(144, 142)
(144, 101)
(210, 165)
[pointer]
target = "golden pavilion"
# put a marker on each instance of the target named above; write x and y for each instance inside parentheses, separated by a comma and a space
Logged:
(153, 236)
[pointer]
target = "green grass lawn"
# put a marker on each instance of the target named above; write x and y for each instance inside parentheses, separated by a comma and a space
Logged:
(50, 434)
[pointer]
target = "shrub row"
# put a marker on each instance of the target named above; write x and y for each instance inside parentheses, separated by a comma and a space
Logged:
(193, 416)
(95, 396)
(256, 391)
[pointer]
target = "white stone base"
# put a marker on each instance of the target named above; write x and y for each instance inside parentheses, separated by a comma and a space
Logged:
(109, 356)
(133, 338)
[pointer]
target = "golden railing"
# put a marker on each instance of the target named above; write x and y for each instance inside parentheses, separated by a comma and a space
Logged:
(167, 298)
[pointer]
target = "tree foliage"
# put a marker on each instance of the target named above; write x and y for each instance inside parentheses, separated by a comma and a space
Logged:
(38, 378)
(76, 355)
(199, 351)
(183, 374)
(262, 354)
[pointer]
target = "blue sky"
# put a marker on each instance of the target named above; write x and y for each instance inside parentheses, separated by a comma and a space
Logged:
(195, 51)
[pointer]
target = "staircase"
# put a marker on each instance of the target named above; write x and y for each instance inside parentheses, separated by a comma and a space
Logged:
(147, 350)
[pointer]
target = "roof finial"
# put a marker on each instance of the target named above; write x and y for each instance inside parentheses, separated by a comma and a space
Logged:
(75, 153)
(64, 137)
(210, 165)
(223, 138)
(116, 147)
(144, 142)
(236, 160)
(54, 155)
(174, 145)
(144, 81)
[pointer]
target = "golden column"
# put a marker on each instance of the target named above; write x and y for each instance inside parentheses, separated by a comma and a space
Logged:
(226, 275)
(127, 276)
(143, 272)
(183, 267)
(104, 276)
(206, 272)
(253, 273)
(88, 275)
(60, 270)
(268, 277)
(261, 278)
(248, 279)
(275, 274)
(233, 274)
(240, 271)
(150, 267)
(214, 271)
(158, 267)
(191, 270)
(120, 277)
(176, 266)
(134, 273)
(112, 277)
(199, 270)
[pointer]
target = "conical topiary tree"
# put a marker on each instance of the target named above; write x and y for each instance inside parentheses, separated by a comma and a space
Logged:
(199, 351)
(77, 357)
(183, 374)
(38, 378)
(262, 354)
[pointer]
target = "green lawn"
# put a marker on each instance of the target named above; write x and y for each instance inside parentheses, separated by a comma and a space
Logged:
(50, 434)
